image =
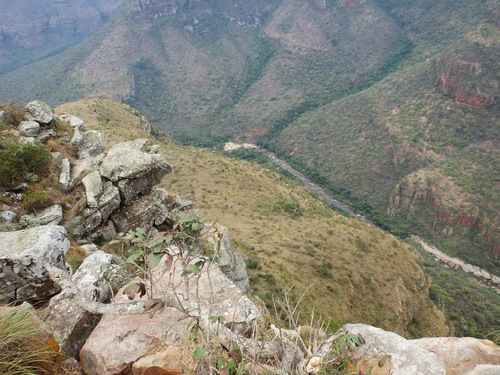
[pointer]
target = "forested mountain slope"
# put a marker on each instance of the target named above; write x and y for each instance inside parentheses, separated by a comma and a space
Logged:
(392, 104)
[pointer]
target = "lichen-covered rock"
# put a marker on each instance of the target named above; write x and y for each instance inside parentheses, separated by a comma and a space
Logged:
(23, 256)
(65, 176)
(230, 263)
(52, 215)
(137, 170)
(7, 217)
(93, 188)
(88, 144)
(89, 219)
(387, 353)
(146, 211)
(40, 112)
(109, 200)
(461, 354)
(70, 324)
(76, 122)
(29, 128)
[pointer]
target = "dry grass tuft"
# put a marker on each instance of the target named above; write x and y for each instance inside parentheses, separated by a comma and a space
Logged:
(24, 346)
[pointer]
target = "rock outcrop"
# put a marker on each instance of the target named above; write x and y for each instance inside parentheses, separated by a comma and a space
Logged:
(23, 255)
(468, 72)
(71, 324)
(461, 354)
(385, 353)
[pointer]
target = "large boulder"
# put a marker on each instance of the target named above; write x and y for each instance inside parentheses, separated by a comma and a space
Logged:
(40, 112)
(387, 353)
(29, 128)
(52, 215)
(23, 256)
(135, 170)
(93, 188)
(109, 201)
(146, 211)
(89, 144)
(70, 324)
(152, 343)
(461, 354)
(118, 342)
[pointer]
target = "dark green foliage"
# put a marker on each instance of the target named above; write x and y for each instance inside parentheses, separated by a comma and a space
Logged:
(17, 160)
(472, 309)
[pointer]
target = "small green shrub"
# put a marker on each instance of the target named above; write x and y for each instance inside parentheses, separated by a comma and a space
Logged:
(18, 161)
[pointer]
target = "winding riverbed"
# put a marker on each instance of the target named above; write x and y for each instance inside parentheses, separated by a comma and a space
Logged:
(480, 274)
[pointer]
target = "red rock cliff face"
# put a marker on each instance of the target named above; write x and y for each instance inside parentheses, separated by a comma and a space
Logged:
(352, 3)
(408, 197)
(455, 80)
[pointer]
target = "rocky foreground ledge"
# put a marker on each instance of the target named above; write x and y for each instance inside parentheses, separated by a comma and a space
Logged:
(105, 329)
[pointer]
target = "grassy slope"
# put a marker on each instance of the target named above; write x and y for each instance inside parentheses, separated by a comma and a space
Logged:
(358, 273)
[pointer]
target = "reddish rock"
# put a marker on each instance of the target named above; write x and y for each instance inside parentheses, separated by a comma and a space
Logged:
(461, 80)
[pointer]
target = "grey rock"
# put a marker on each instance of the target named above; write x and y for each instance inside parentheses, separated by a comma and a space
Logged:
(461, 354)
(2, 116)
(88, 144)
(29, 128)
(402, 356)
(7, 217)
(90, 219)
(65, 176)
(146, 211)
(40, 112)
(76, 122)
(27, 141)
(485, 370)
(129, 161)
(46, 135)
(23, 256)
(52, 215)
(109, 200)
(230, 263)
(93, 188)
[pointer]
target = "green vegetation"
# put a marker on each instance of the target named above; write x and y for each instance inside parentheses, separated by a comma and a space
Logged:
(472, 309)
(18, 161)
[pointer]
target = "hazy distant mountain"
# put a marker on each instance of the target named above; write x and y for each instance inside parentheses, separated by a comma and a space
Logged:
(393, 104)
(31, 29)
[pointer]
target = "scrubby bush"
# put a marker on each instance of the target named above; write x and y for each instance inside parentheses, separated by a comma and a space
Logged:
(14, 113)
(18, 161)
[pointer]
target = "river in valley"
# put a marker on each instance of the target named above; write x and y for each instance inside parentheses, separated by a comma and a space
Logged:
(479, 274)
